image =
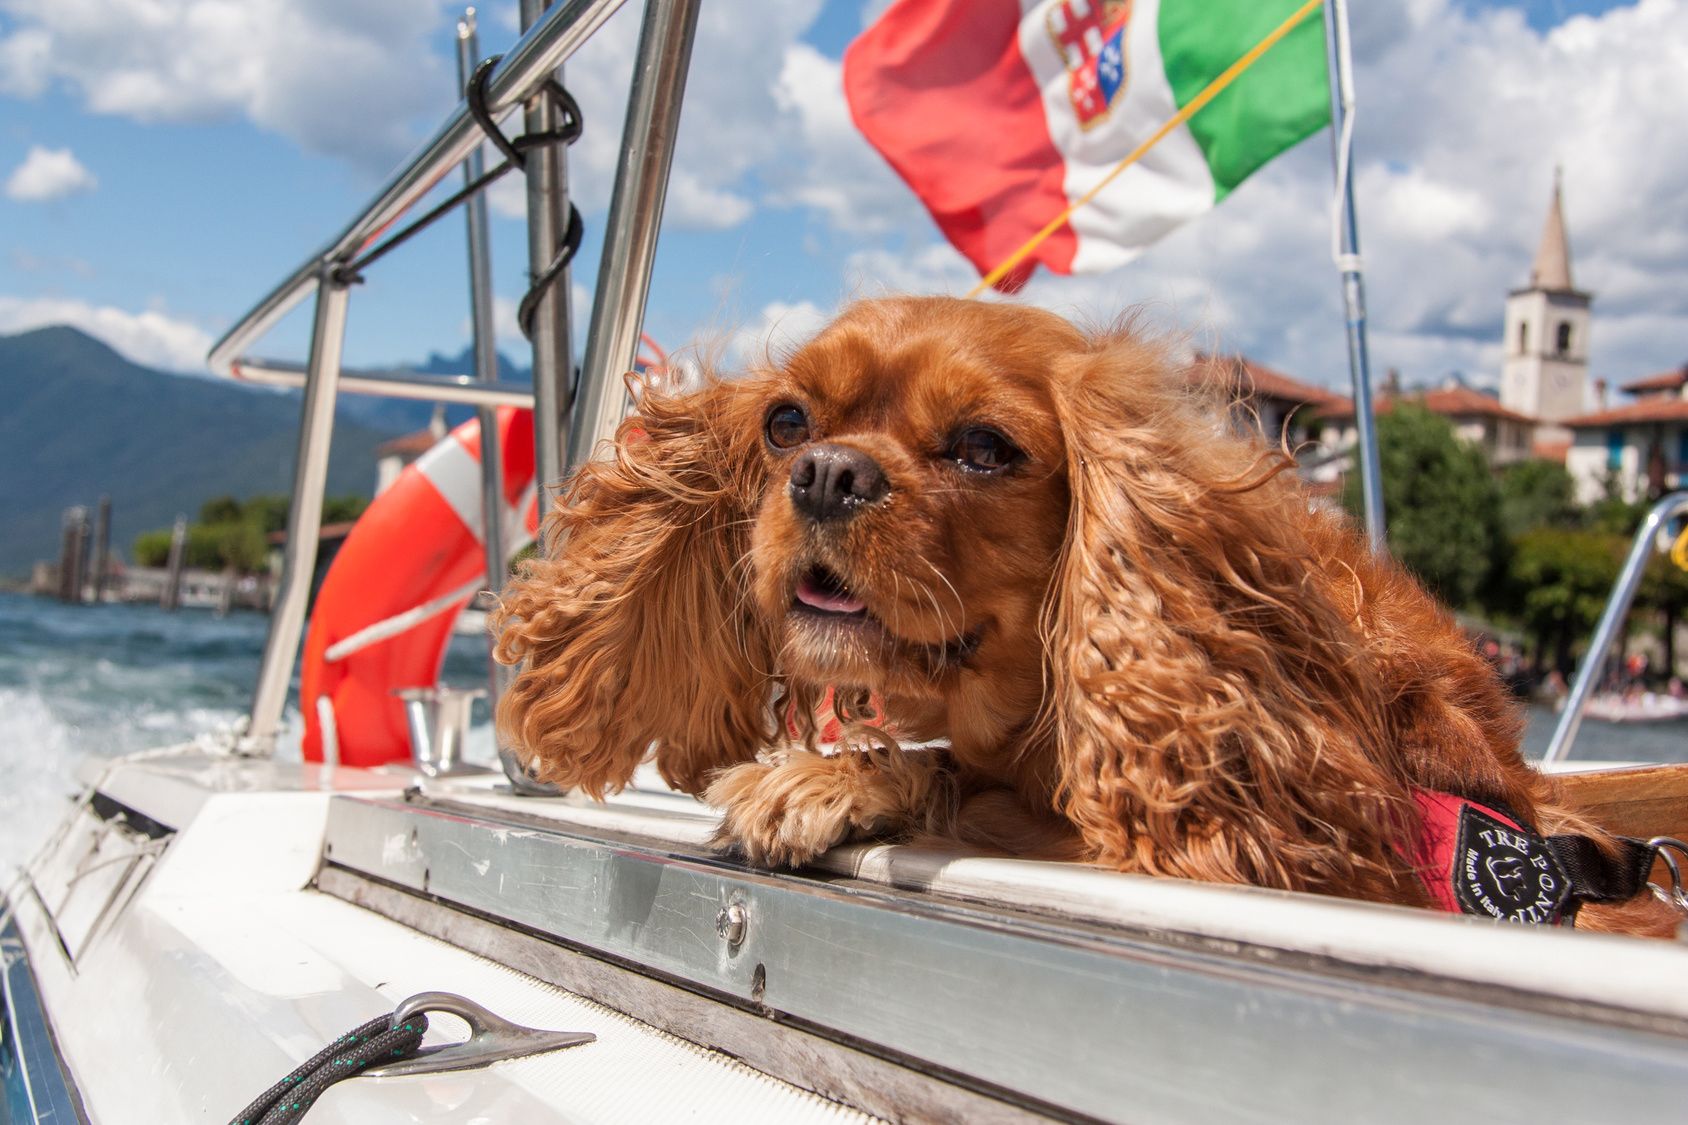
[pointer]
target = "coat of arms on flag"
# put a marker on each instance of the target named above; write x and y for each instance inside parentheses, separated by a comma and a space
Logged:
(1090, 34)
(1001, 114)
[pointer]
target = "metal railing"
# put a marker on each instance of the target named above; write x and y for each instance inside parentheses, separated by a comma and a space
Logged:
(454, 389)
(551, 35)
(518, 76)
(1611, 624)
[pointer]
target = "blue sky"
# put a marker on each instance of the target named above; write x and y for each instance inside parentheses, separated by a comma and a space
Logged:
(206, 161)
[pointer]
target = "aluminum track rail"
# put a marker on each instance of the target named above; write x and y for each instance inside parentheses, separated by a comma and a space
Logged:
(1044, 1012)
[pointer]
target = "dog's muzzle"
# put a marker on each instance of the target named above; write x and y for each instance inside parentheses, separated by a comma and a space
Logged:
(835, 482)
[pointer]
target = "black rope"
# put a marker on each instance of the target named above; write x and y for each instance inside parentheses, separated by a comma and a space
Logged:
(515, 152)
(478, 109)
(565, 254)
(377, 1041)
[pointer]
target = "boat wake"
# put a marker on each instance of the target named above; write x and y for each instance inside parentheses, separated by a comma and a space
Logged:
(85, 684)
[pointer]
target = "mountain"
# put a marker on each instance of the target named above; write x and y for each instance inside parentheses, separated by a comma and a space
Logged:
(78, 420)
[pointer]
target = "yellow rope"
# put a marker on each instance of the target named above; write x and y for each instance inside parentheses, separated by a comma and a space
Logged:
(1679, 550)
(1212, 91)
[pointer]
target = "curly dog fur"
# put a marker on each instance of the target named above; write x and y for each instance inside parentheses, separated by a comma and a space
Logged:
(1142, 645)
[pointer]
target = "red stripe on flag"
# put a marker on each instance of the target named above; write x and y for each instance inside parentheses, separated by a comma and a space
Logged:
(940, 88)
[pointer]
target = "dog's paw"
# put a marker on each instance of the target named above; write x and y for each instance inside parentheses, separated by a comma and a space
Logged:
(787, 812)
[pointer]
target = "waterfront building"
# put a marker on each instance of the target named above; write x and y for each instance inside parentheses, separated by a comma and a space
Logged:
(1638, 450)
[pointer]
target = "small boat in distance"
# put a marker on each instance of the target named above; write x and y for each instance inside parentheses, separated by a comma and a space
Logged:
(1637, 707)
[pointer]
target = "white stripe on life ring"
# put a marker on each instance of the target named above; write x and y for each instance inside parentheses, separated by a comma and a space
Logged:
(390, 627)
(455, 474)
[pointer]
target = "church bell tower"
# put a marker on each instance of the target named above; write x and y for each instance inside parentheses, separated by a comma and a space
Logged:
(1545, 373)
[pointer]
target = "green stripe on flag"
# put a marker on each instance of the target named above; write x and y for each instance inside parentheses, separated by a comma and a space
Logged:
(1280, 100)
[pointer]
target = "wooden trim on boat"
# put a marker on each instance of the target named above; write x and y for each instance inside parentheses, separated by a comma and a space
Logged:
(1644, 801)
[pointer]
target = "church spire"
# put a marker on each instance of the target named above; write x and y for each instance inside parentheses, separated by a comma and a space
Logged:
(1552, 270)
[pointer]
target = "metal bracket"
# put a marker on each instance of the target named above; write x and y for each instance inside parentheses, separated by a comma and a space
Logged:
(492, 1038)
(1677, 894)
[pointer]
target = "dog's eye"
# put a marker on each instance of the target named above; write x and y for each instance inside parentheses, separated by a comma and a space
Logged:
(787, 426)
(984, 451)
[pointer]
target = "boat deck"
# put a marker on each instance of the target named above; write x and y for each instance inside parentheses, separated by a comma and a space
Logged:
(256, 910)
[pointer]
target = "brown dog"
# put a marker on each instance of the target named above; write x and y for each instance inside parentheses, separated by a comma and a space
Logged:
(1142, 644)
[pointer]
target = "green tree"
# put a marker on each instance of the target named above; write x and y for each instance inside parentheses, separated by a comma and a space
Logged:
(342, 509)
(1664, 589)
(1442, 503)
(232, 534)
(152, 548)
(1536, 493)
(1563, 578)
(220, 545)
(241, 546)
(268, 512)
(1614, 515)
(220, 509)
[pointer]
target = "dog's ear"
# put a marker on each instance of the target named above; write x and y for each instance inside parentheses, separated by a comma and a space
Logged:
(1205, 699)
(635, 627)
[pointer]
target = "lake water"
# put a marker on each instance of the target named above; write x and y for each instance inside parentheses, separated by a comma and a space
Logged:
(79, 683)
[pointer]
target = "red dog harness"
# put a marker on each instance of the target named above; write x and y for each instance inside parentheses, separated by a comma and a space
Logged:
(1480, 859)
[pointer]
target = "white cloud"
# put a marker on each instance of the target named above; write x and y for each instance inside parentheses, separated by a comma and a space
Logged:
(344, 78)
(1463, 116)
(783, 326)
(839, 174)
(508, 332)
(731, 124)
(1479, 143)
(935, 267)
(152, 338)
(506, 329)
(49, 173)
(507, 197)
(24, 64)
(25, 261)
(692, 203)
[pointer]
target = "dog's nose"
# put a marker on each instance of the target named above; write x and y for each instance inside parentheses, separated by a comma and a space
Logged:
(834, 482)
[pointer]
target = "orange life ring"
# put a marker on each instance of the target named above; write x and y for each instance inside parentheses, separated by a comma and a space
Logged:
(416, 544)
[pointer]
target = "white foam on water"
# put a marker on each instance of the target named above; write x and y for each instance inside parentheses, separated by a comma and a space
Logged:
(46, 742)
(85, 684)
(38, 761)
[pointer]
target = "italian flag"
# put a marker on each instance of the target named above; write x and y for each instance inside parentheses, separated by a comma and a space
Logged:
(1001, 113)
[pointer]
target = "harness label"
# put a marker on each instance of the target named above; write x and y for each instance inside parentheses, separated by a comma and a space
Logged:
(1505, 871)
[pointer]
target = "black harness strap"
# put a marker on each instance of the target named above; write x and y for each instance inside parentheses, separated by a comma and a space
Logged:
(1479, 857)
(1598, 876)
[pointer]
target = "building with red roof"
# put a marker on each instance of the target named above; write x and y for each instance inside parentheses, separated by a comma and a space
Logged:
(1638, 449)
(1505, 435)
(392, 456)
(1279, 407)
(1667, 385)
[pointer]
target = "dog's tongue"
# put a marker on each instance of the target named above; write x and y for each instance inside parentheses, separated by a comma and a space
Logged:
(839, 600)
